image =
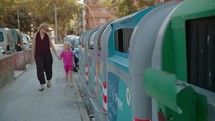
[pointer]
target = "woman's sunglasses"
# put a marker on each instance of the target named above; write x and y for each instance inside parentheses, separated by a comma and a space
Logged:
(46, 29)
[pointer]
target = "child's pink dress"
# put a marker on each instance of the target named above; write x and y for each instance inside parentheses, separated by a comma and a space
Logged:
(67, 56)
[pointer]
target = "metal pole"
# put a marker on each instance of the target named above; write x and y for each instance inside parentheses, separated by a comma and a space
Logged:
(56, 28)
(18, 22)
(76, 27)
(83, 12)
(92, 14)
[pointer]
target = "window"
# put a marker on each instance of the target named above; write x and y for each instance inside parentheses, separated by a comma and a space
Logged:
(9, 35)
(200, 35)
(19, 37)
(122, 38)
(102, 20)
(1, 37)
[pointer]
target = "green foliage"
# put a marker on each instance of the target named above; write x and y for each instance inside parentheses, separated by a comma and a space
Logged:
(24, 17)
(5, 6)
(143, 3)
(125, 8)
(34, 12)
(44, 11)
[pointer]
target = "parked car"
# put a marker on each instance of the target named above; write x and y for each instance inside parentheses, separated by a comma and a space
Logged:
(26, 41)
(6, 40)
(17, 37)
(29, 41)
(75, 43)
(70, 39)
(2, 51)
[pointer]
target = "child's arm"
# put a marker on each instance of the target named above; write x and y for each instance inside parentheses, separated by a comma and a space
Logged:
(61, 56)
(52, 46)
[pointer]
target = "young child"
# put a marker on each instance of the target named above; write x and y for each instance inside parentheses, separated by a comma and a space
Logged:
(67, 55)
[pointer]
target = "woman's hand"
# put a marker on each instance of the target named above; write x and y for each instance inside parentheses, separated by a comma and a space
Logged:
(59, 57)
(32, 59)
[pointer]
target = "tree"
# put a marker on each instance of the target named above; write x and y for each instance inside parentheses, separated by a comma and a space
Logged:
(24, 18)
(34, 12)
(5, 8)
(44, 11)
(125, 8)
(10, 10)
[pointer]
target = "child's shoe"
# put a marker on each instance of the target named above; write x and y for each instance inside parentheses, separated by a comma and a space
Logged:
(67, 84)
(71, 84)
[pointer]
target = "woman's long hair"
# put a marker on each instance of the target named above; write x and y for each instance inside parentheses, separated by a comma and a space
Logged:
(43, 25)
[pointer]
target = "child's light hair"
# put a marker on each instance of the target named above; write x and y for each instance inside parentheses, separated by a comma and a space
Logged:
(66, 46)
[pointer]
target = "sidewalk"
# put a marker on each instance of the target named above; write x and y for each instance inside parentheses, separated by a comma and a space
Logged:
(17, 73)
(21, 100)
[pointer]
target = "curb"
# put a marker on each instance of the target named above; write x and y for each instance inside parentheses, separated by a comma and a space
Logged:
(82, 108)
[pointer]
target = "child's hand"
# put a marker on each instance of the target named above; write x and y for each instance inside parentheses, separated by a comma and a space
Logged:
(59, 58)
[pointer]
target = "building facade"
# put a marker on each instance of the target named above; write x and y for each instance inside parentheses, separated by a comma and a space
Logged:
(96, 15)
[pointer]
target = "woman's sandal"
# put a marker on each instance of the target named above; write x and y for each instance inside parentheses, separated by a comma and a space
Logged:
(41, 89)
(48, 85)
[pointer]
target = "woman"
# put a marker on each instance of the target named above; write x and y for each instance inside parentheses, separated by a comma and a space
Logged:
(41, 45)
